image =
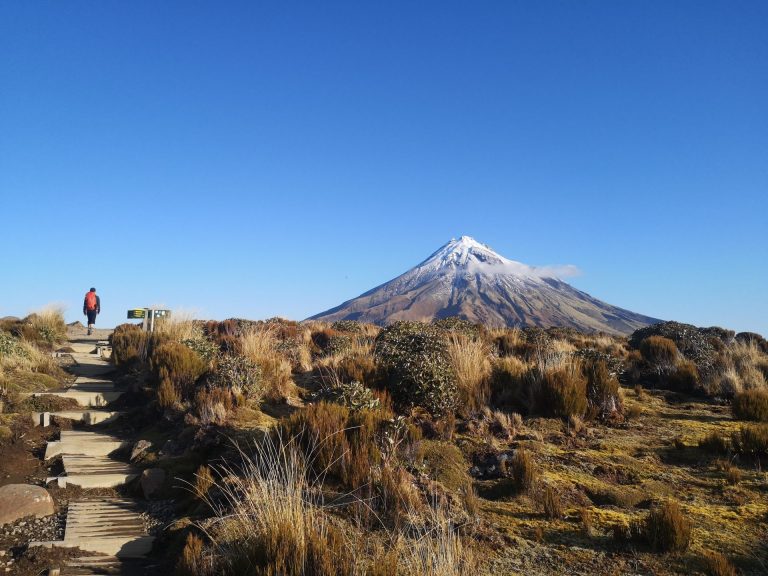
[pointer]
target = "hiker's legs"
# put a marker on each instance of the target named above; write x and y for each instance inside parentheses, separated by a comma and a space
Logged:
(91, 320)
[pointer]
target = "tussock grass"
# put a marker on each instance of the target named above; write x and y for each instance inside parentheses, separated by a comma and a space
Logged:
(46, 326)
(471, 359)
(260, 345)
(270, 518)
(179, 326)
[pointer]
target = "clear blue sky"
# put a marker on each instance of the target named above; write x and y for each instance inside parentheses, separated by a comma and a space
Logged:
(257, 159)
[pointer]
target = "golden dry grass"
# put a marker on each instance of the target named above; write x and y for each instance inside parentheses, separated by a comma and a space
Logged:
(471, 360)
(179, 326)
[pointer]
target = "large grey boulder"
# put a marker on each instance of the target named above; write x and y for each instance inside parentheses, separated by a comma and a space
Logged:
(20, 500)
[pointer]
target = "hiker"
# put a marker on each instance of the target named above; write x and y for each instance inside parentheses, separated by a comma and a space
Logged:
(91, 307)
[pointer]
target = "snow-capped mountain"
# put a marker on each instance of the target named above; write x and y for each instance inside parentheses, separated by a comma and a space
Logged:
(467, 279)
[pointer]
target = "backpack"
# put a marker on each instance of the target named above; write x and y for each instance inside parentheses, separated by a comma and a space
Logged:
(90, 301)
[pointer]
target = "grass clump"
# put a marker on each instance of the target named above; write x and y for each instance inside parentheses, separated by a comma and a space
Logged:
(751, 441)
(46, 327)
(550, 502)
(603, 396)
(660, 352)
(751, 405)
(417, 367)
(471, 363)
(716, 564)
(562, 392)
(714, 443)
(667, 529)
(177, 369)
(271, 519)
(523, 470)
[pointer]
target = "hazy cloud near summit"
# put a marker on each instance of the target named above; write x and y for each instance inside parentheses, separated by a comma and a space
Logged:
(520, 269)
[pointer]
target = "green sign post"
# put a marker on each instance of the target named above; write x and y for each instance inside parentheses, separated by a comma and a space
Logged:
(148, 315)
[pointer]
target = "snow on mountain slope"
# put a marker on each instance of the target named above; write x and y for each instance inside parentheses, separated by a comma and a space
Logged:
(467, 279)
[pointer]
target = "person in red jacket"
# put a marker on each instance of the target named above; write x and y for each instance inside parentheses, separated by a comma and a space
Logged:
(91, 307)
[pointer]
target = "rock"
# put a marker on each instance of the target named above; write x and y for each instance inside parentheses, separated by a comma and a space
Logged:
(139, 449)
(152, 480)
(20, 500)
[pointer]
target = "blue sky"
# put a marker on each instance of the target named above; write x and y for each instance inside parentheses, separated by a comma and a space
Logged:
(258, 159)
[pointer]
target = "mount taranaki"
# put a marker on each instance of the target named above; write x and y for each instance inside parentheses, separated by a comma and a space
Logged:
(467, 279)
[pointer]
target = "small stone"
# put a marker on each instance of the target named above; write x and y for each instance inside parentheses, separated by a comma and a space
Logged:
(139, 449)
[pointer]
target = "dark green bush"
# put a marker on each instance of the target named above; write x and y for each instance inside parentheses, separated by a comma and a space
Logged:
(667, 529)
(416, 366)
(353, 395)
(751, 405)
(562, 393)
(239, 374)
(458, 326)
(175, 365)
(351, 326)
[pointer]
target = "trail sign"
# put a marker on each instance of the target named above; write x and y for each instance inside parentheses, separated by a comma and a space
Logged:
(148, 316)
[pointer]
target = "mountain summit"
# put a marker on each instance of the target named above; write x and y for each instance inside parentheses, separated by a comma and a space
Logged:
(468, 279)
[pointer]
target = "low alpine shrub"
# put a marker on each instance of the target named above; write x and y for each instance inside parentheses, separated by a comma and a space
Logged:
(417, 366)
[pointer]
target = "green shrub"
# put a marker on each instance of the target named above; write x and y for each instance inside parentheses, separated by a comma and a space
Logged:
(205, 348)
(353, 395)
(239, 374)
(178, 366)
(351, 326)
(751, 405)
(458, 326)
(667, 529)
(562, 392)
(603, 396)
(751, 441)
(417, 367)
